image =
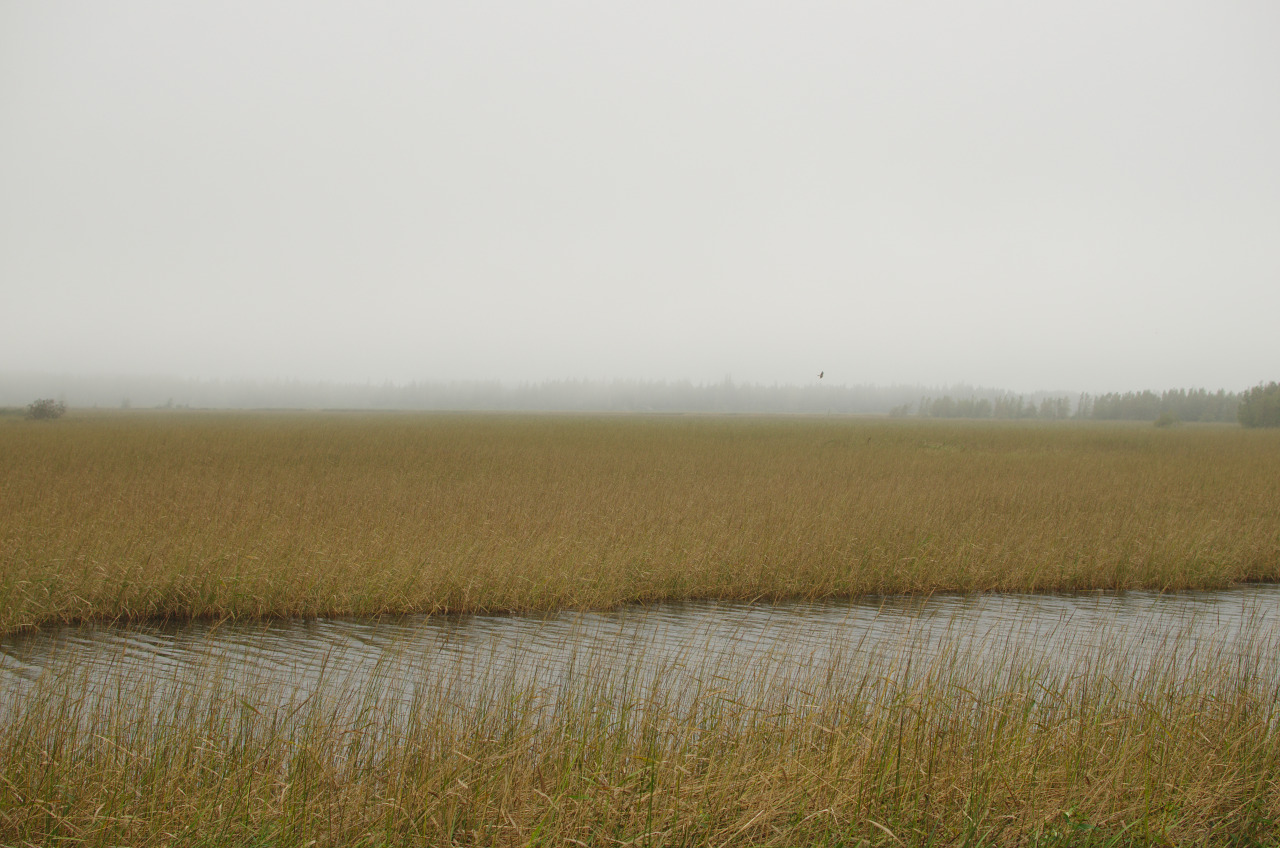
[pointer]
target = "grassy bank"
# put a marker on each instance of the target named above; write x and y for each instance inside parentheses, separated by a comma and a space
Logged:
(959, 750)
(152, 515)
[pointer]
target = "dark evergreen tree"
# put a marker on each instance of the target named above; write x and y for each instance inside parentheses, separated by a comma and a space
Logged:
(1260, 406)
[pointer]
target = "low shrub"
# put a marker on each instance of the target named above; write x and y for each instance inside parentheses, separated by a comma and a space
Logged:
(46, 409)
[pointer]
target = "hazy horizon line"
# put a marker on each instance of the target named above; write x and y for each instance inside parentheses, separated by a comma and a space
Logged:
(25, 381)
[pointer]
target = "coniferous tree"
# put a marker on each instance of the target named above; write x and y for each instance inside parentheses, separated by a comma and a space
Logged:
(1260, 406)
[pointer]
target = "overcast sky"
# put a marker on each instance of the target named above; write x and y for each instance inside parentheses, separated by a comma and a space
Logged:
(1074, 195)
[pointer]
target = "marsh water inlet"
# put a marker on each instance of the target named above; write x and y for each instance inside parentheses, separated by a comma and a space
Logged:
(731, 643)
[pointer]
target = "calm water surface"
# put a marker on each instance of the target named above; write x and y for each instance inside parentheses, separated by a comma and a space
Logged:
(717, 640)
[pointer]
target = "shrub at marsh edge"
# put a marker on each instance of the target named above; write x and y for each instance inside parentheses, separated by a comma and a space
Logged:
(46, 409)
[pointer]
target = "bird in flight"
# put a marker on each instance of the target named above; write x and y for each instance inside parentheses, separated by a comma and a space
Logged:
(820, 373)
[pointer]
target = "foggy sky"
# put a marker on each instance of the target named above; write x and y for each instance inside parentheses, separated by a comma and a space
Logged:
(1077, 196)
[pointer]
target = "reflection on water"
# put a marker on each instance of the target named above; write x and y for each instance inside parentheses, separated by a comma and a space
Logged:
(723, 640)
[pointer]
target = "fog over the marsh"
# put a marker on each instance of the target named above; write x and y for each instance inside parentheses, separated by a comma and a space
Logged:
(1074, 196)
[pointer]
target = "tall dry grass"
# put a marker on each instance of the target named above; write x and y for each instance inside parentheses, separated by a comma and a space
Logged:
(959, 749)
(145, 516)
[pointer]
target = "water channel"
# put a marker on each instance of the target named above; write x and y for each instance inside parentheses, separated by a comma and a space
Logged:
(778, 644)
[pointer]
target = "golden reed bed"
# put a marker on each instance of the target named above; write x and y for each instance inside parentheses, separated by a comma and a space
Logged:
(142, 516)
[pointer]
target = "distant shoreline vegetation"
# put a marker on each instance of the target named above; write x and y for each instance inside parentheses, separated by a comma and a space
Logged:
(634, 396)
(1173, 405)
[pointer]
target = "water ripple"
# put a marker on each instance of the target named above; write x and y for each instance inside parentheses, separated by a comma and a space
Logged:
(722, 639)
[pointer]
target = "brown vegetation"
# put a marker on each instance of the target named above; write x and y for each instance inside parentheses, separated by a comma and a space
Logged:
(146, 516)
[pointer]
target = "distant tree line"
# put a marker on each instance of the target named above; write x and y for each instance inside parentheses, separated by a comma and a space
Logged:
(1170, 406)
(1182, 404)
(1257, 407)
(1005, 406)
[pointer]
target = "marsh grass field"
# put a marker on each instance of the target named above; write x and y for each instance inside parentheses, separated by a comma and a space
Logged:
(147, 516)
